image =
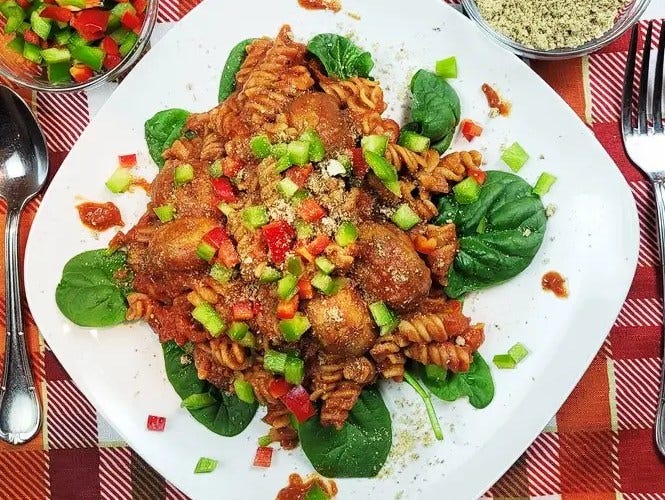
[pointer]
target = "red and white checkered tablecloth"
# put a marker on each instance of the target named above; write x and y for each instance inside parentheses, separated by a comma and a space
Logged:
(599, 445)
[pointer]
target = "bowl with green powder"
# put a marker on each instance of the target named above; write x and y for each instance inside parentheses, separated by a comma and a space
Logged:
(554, 29)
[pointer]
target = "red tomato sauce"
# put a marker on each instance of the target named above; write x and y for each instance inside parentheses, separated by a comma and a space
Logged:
(99, 216)
(333, 5)
(555, 283)
(298, 487)
(495, 101)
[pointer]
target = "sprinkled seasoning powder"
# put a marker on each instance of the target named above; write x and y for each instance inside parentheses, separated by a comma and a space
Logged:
(550, 24)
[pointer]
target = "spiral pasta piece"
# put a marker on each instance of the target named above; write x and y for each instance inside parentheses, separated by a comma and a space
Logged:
(357, 94)
(338, 404)
(260, 380)
(444, 354)
(229, 354)
(388, 354)
(402, 157)
(256, 51)
(327, 375)
(211, 148)
(423, 328)
(359, 370)
(442, 257)
(140, 306)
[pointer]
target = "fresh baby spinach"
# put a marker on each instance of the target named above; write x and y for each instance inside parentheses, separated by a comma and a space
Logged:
(499, 234)
(93, 287)
(340, 57)
(227, 83)
(359, 449)
(435, 108)
(162, 130)
(476, 384)
(227, 415)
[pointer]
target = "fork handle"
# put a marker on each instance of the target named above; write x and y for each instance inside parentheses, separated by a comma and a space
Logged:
(659, 192)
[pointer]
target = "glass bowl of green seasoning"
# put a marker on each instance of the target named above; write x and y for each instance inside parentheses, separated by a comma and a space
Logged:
(554, 29)
(72, 45)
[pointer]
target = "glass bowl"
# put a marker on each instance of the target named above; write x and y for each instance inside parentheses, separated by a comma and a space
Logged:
(21, 74)
(630, 13)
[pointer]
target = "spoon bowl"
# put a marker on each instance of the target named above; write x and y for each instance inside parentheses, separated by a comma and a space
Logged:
(23, 173)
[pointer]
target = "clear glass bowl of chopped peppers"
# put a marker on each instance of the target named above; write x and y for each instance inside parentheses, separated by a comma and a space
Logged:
(70, 45)
(626, 16)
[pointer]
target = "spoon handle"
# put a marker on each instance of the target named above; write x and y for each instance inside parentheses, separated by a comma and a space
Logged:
(19, 405)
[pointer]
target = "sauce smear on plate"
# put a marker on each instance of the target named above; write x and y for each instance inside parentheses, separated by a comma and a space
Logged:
(333, 5)
(555, 283)
(99, 216)
(495, 101)
(298, 488)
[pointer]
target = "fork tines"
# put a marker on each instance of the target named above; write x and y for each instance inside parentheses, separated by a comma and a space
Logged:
(643, 115)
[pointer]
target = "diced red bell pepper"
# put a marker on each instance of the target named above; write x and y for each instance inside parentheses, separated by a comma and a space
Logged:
(127, 161)
(110, 46)
(137, 30)
(91, 23)
(424, 245)
(479, 175)
(305, 289)
(111, 61)
(263, 457)
(360, 166)
(298, 403)
(231, 166)
(299, 175)
(215, 237)
(80, 73)
(311, 210)
(470, 129)
(140, 6)
(287, 309)
(279, 236)
(56, 13)
(31, 37)
(242, 311)
(304, 253)
(156, 423)
(130, 20)
(227, 255)
(224, 189)
(277, 387)
(318, 244)
(24, 4)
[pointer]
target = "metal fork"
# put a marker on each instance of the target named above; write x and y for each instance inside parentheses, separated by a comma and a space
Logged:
(644, 140)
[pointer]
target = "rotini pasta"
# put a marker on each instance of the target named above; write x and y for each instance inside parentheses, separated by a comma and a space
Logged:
(301, 245)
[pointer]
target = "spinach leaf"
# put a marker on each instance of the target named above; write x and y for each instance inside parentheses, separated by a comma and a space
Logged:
(92, 289)
(227, 83)
(340, 56)
(515, 222)
(435, 108)
(162, 130)
(227, 416)
(477, 384)
(359, 449)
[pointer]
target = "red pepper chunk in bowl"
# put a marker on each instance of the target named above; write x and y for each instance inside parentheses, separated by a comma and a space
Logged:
(72, 44)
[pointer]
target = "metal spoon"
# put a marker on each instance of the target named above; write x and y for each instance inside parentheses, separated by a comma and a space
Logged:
(23, 171)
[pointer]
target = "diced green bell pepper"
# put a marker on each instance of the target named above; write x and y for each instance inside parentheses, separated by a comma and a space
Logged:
(58, 72)
(93, 57)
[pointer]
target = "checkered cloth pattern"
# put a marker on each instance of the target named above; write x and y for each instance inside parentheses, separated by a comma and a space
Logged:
(599, 445)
